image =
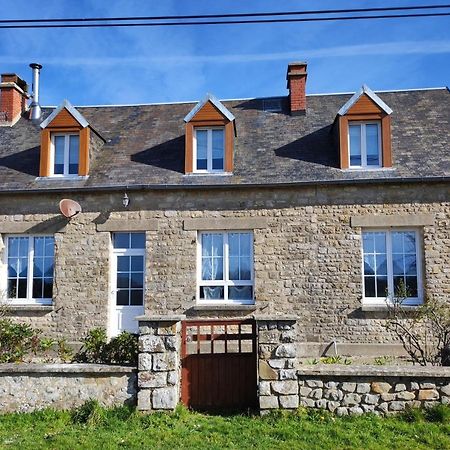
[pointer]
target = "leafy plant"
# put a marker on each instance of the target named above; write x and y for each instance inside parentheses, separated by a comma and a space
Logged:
(423, 331)
(17, 340)
(122, 349)
(383, 360)
(89, 413)
(65, 353)
(337, 359)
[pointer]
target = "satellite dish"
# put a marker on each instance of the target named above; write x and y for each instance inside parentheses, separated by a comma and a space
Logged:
(69, 208)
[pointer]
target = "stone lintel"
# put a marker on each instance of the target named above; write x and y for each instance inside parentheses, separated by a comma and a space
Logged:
(384, 220)
(55, 225)
(113, 225)
(276, 318)
(225, 223)
(338, 370)
(168, 318)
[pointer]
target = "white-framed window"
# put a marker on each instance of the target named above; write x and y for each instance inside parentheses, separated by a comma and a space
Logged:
(129, 268)
(30, 267)
(364, 144)
(225, 267)
(209, 150)
(65, 154)
(391, 257)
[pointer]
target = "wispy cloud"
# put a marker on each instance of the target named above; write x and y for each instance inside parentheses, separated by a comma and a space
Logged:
(386, 48)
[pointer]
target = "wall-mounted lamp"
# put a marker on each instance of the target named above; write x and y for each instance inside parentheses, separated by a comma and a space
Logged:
(125, 200)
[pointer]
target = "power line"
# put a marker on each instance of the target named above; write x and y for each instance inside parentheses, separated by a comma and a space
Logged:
(228, 16)
(225, 22)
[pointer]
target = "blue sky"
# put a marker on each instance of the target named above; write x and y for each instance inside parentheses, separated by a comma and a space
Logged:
(144, 65)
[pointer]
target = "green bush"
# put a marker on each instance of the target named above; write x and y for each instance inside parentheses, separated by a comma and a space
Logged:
(17, 340)
(122, 349)
(89, 413)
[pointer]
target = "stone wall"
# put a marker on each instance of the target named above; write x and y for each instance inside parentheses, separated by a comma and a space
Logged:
(307, 260)
(30, 387)
(159, 363)
(348, 390)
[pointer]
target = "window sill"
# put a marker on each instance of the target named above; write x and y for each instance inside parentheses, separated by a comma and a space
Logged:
(224, 307)
(30, 307)
(206, 174)
(382, 307)
(369, 169)
(56, 178)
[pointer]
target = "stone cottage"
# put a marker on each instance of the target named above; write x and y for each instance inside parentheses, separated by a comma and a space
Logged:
(313, 206)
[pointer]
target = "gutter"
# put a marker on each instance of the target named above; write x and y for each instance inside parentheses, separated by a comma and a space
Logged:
(166, 187)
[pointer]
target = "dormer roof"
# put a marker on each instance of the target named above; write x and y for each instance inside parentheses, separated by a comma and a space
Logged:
(365, 90)
(216, 102)
(71, 109)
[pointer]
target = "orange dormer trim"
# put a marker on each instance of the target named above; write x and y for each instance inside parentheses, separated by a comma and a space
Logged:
(64, 122)
(365, 109)
(209, 116)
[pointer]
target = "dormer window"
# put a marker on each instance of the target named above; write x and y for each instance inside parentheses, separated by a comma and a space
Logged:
(209, 143)
(65, 139)
(364, 144)
(364, 126)
(209, 149)
(65, 154)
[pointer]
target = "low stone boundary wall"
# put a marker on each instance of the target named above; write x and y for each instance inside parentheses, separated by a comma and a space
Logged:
(29, 387)
(358, 389)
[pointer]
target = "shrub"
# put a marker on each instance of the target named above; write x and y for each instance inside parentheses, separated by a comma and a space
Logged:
(122, 349)
(424, 331)
(17, 340)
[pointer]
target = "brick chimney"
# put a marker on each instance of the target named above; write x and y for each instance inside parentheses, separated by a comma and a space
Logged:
(296, 83)
(13, 98)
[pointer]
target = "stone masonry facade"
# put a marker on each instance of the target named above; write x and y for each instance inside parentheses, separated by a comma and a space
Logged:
(307, 259)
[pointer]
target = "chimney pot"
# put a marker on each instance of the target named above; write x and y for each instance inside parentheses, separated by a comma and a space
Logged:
(35, 107)
(296, 83)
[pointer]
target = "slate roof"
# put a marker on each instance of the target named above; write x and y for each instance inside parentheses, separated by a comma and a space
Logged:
(145, 145)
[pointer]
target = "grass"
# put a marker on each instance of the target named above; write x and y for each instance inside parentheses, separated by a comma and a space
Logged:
(92, 427)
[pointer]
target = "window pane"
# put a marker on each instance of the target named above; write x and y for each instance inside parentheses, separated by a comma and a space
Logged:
(137, 297)
(38, 267)
(39, 246)
(74, 144)
(369, 265)
(246, 243)
(233, 243)
(22, 288)
(12, 267)
(122, 298)
(59, 155)
(381, 264)
(217, 269)
(211, 292)
(137, 240)
(137, 279)
(123, 263)
(380, 242)
(369, 286)
(372, 145)
(137, 263)
(206, 244)
(37, 288)
(13, 246)
(411, 286)
(397, 264)
(48, 267)
(410, 265)
(217, 245)
(382, 287)
(245, 268)
(23, 267)
(123, 280)
(202, 149)
(240, 293)
(217, 149)
(368, 242)
(234, 268)
(397, 242)
(409, 242)
(355, 145)
(207, 269)
(12, 287)
(48, 288)
(121, 240)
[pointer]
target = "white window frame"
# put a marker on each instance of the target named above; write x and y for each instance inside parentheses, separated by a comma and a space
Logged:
(66, 173)
(363, 143)
(226, 282)
(29, 300)
(410, 301)
(209, 156)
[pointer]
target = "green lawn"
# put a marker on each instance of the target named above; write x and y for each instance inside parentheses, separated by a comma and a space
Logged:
(91, 427)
